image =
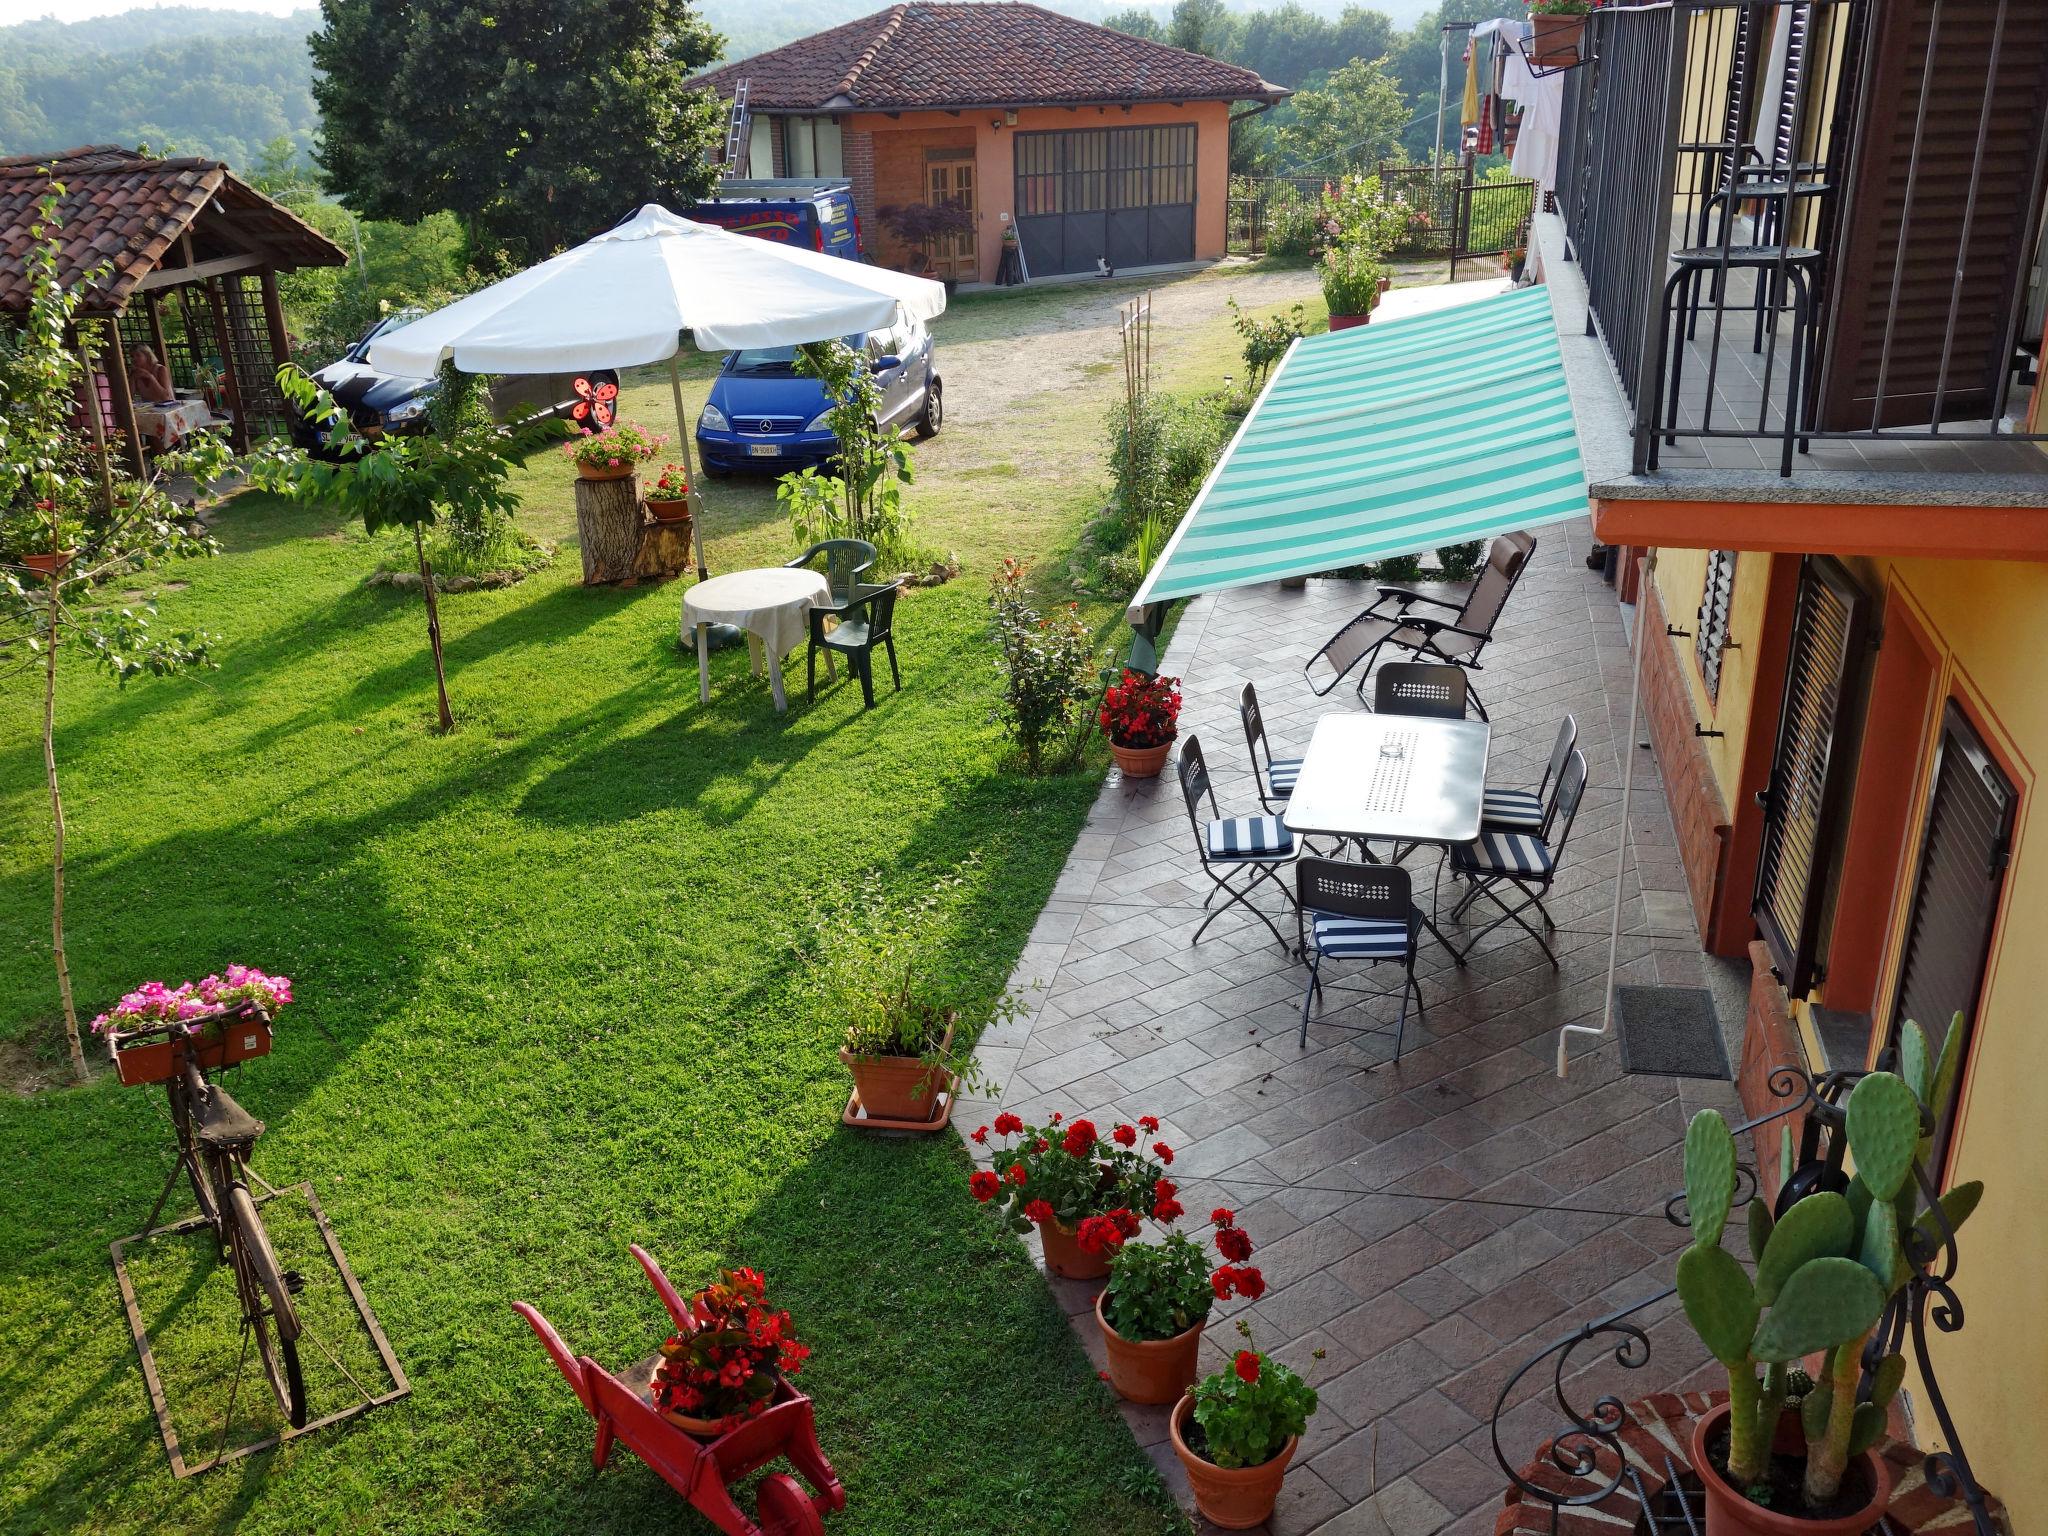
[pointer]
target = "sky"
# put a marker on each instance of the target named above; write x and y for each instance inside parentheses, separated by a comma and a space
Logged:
(12, 11)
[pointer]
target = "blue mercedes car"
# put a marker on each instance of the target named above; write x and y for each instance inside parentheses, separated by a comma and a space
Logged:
(763, 414)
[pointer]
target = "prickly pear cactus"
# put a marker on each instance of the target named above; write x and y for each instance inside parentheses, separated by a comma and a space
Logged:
(1879, 1250)
(1884, 1132)
(1709, 1176)
(1914, 1065)
(1761, 1226)
(1957, 1202)
(1817, 1227)
(1825, 1302)
(1719, 1302)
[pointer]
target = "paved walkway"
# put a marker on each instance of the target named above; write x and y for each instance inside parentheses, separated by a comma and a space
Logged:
(1428, 1224)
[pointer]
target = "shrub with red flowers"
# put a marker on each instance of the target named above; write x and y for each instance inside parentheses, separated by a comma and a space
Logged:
(1160, 1290)
(1251, 1408)
(725, 1368)
(1067, 1174)
(1141, 710)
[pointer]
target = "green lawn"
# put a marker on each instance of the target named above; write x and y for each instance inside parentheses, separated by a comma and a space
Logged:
(547, 1008)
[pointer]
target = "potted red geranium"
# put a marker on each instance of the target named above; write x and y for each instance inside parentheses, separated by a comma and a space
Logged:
(1158, 1299)
(1081, 1189)
(668, 499)
(725, 1370)
(1140, 715)
(1236, 1432)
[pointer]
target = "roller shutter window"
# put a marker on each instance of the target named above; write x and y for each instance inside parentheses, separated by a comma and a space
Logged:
(1963, 851)
(1710, 628)
(1810, 771)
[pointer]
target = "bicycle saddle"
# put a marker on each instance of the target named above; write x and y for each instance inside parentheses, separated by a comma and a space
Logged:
(218, 1121)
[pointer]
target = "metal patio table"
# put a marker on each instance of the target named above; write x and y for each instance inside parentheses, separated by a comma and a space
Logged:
(1397, 778)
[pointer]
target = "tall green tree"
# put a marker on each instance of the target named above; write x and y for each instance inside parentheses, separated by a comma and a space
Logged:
(1202, 26)
(1355, 118)
(538, 123)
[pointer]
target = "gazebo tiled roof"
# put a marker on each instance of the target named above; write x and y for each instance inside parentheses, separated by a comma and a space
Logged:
(125, 211)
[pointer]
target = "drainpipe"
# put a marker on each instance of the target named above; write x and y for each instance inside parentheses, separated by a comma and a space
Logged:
(1628, 779)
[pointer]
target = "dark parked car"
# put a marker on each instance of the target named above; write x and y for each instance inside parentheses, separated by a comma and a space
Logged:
(377, 403)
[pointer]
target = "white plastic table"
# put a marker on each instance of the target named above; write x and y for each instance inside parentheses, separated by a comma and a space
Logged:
(771, 605)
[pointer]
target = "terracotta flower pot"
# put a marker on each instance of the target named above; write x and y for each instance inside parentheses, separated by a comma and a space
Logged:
(1236, 1498)
(49, 562)
(1140, 762)
(604, 472)
(1065, 1256)
(1554, 41)
(898, 1087)
(1345, 322)
(1729, 1513)
(1150, 1370)
(663, 510)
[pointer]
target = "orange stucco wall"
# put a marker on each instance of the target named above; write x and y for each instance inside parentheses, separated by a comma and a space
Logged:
(900, 141)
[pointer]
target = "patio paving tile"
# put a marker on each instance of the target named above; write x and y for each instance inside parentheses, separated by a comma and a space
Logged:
(1431, 1223)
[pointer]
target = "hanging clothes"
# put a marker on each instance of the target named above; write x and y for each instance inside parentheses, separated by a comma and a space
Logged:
(1468, 112)
(1542, 101)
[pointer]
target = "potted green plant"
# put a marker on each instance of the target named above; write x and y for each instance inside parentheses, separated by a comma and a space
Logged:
(1825, 1270)
(42, 537)
(1080, 1189)
(1353, 279)
(725, 1370)
(1236, 1432)
(921, 226)
(614, 453)
(1140, 715)
(1159, 1297)
(668, 499)
(1558, 32)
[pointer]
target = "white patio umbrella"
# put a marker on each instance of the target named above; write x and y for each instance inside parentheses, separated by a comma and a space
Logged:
(627, 296)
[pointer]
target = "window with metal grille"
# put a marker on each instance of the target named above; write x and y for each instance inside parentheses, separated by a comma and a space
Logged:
(1963, 849)
(1086, 169)
(1710, 628)
(1810, 770)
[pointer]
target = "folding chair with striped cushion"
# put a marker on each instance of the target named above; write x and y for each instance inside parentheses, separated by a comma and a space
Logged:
(1238, 852)
(1528, 810)
(1519, 862)
(1346, 911)
(1277, 775)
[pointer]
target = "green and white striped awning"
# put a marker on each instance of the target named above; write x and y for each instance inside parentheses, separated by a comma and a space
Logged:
(1386, 439)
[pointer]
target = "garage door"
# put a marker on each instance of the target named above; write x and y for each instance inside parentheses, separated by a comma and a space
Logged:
(1121, 195)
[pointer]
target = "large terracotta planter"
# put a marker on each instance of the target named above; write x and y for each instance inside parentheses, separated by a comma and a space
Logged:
(49, 562)
(1555, 42)
(671, 512)
(1345, 322)
(1065, 1256)
(1236, 1498)
(1731, 1514)
(595, 472)
(1141, 762)
(899, 1087)
(1150, 1370)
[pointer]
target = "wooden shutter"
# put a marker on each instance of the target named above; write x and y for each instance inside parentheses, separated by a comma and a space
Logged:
(1710, 627)
(1955, 896)
(1810, 771)
(1786, 131)
(1978, 277)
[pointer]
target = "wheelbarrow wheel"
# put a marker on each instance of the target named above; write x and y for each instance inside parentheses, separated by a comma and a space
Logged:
(785, 1509)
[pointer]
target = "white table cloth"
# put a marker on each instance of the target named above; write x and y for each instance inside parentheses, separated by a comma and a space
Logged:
(772, 606)
(166, 422)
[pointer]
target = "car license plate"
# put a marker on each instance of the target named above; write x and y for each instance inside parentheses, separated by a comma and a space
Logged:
(765, 450)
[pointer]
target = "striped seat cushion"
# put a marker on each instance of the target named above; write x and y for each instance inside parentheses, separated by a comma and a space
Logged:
(1280, 776)
(1503, 853)
(1249, 837)
(1359, 938)
(1519, 810)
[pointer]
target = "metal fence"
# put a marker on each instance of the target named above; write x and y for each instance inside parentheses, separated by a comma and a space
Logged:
(1451, 215)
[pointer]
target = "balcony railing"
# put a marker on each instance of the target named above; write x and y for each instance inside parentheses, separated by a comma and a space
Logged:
(1811, 224)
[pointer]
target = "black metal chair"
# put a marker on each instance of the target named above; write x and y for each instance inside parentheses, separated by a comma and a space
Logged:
(1520, 861)
(1231, 845)
(1458, 640)
(846, 561)
(1529, 810)
(1346, 911)
(867, 621)
(1276, 776)
(1429, 689)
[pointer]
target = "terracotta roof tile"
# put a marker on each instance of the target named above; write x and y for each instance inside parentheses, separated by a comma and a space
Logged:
(997, 53)
(125, 211)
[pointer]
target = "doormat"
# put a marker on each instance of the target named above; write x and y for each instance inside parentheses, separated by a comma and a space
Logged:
(1670, 1032)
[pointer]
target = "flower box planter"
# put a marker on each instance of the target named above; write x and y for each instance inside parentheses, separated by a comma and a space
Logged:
(1731, 1513)
(1236, 1498)
(1556, 42)
(1150, 1370)
(151, 1055)
(1140, 762)
(1065, 1256)
(900, 1092)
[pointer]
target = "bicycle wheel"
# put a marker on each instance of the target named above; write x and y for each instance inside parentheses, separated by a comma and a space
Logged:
(267, 1305)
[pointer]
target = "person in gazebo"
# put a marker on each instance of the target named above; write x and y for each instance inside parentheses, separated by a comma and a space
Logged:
(152, 380)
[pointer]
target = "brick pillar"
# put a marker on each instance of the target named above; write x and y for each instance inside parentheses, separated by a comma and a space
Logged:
(857, 154)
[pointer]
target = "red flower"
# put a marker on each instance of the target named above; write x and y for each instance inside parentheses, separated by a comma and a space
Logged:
(1168, 1209)
(1234, 1243)
(1251, 1285)
(1126, 1223)
(1017, 1173)
(1038, 1210)
(1149, 1124)
(1100, 1234)
(1223, 1281)
(1008, 1124)
(980, 1134)
(1080, 1138)
(1223, 1216)
(984, 1185)
(1246, 1365)
(1165, 1189)
(1165, 1152)
(1054, 1118)
(1126, 1135)
(1041, 1145)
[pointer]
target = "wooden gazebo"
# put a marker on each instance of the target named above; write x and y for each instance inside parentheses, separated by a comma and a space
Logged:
(190, 257)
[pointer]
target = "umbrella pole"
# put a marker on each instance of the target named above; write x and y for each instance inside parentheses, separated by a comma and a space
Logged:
(675, 384)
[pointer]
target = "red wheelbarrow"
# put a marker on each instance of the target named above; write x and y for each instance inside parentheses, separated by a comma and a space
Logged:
(702, 1470)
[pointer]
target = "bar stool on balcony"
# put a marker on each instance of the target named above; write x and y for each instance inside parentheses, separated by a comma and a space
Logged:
(1776, 191)
(1690, 268)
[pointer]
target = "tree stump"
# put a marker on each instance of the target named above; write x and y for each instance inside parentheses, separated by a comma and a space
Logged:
(664, 551)
(608, 526)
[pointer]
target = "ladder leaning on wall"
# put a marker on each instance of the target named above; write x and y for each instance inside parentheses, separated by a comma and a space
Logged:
(737, 149)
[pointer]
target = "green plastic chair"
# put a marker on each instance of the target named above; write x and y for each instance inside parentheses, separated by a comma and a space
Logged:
(867, 621)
